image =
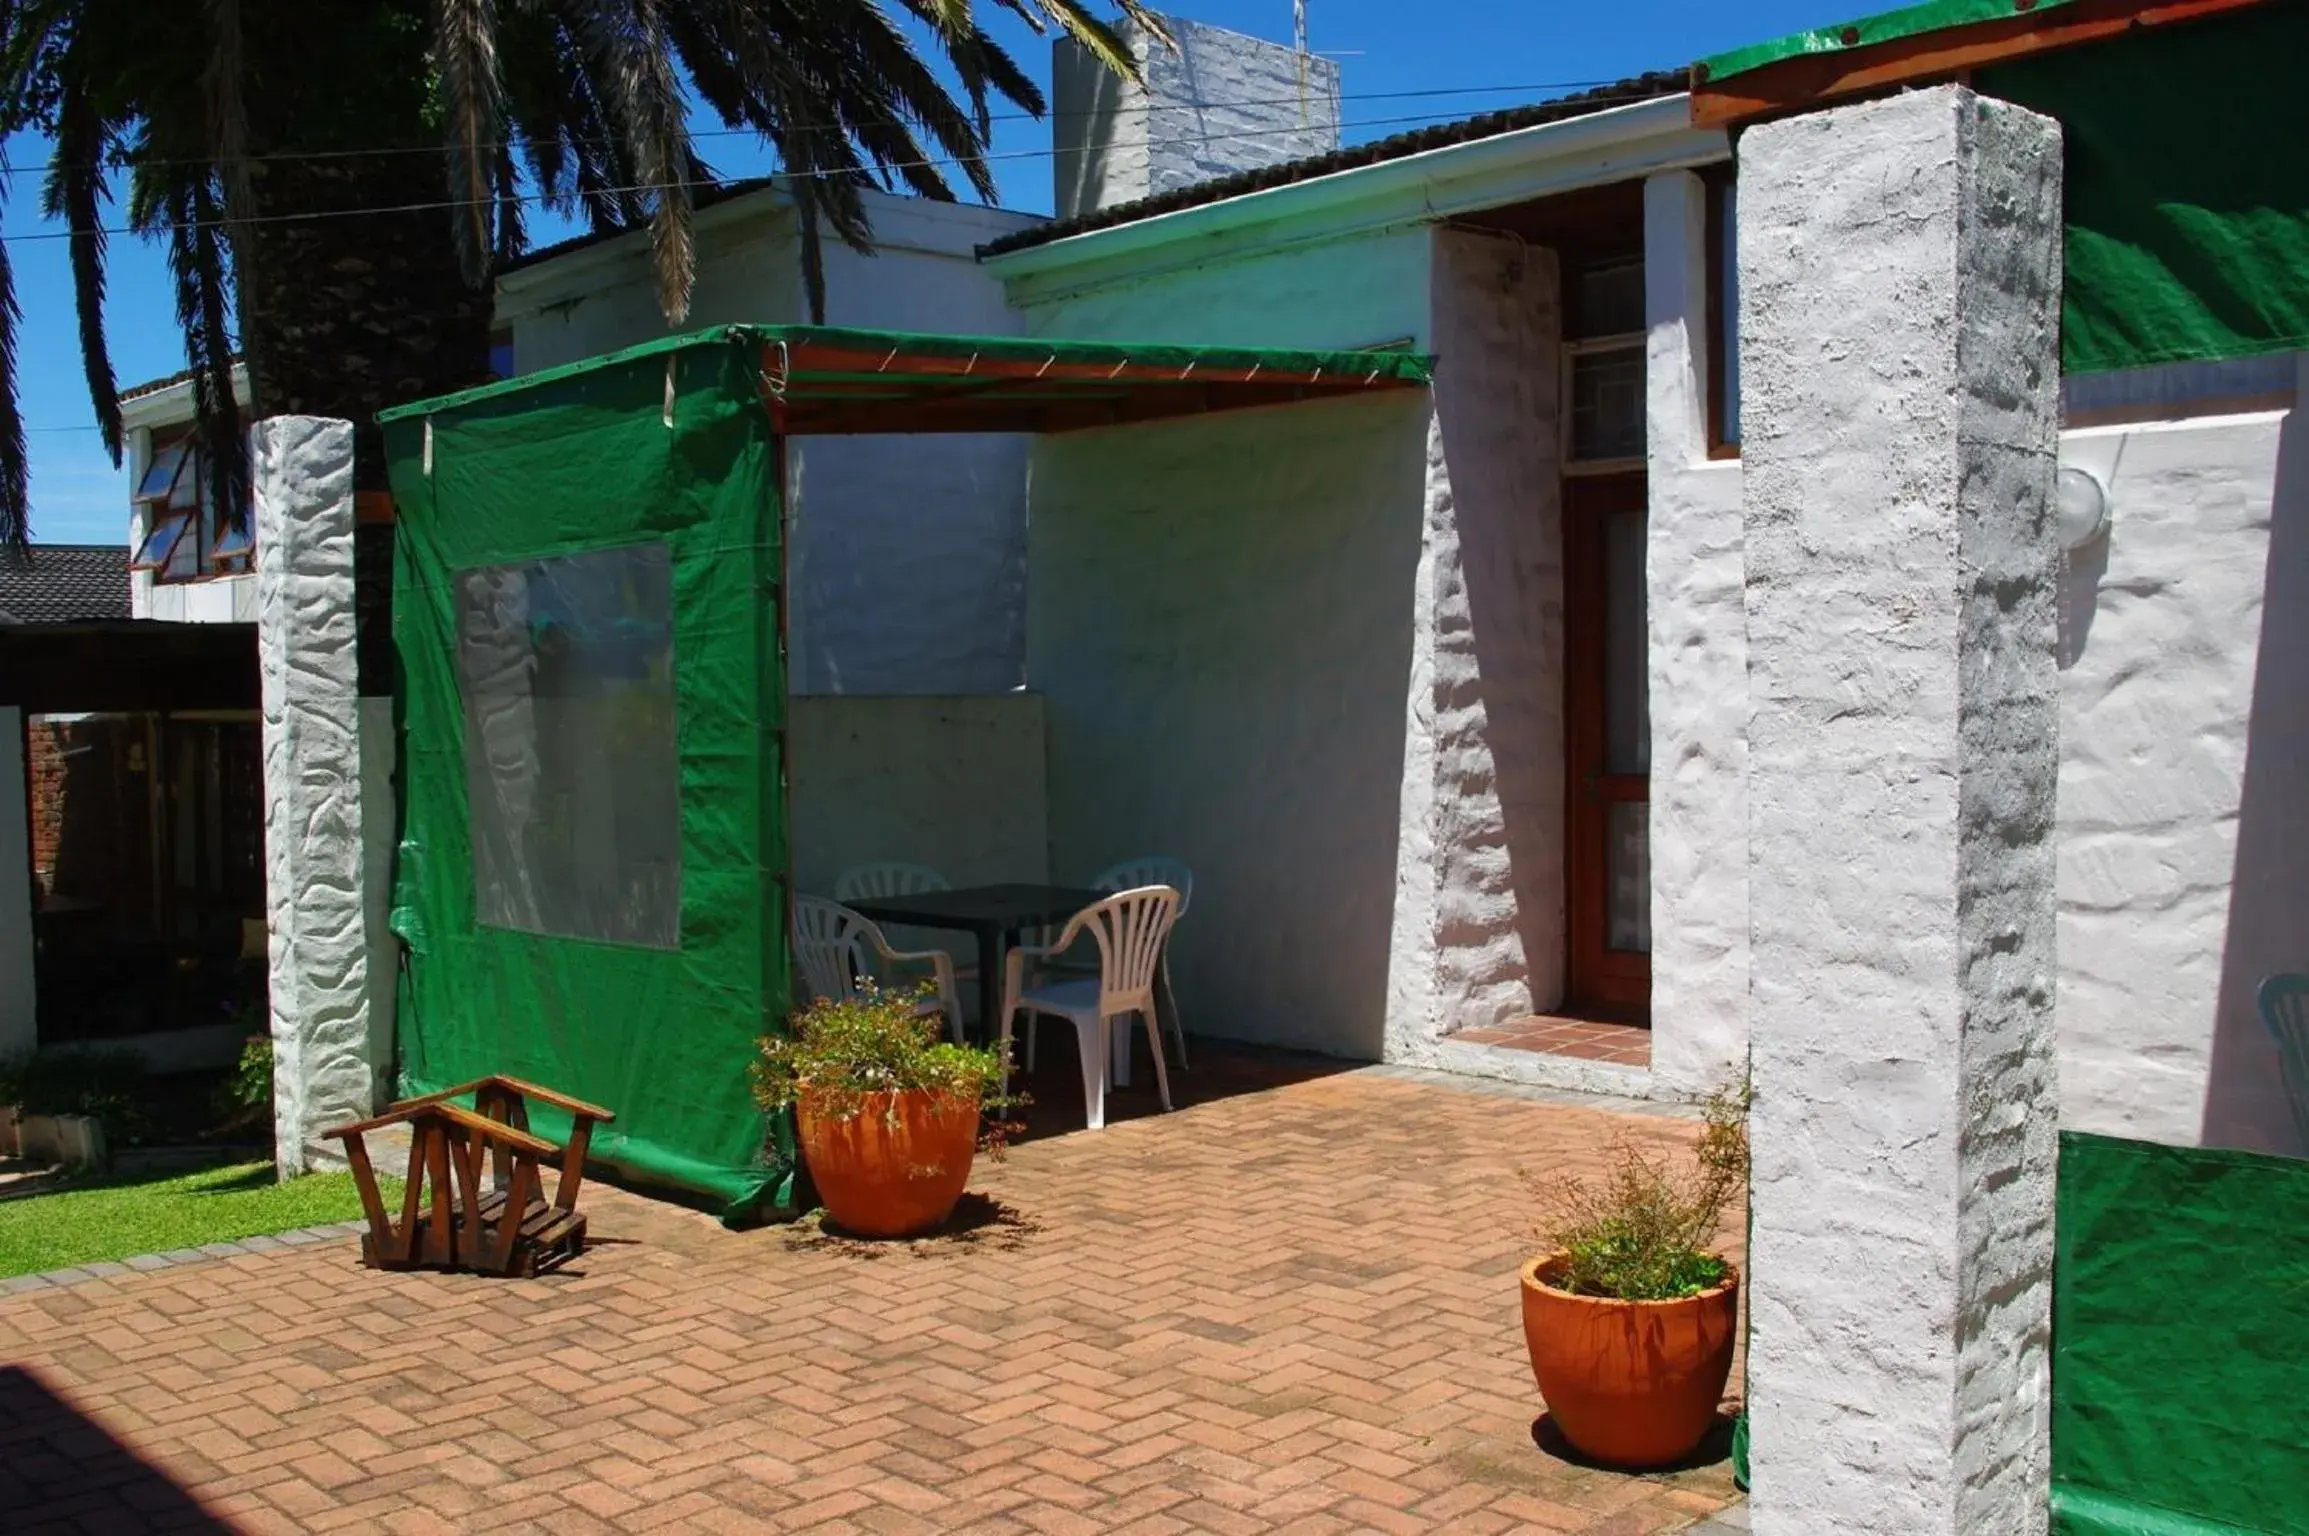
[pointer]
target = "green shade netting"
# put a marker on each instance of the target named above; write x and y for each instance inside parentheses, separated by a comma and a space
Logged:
(2186, 188)
(2186, 192)
(1867, 32)
(816, 363)
(2180, 1341)
(586, 615)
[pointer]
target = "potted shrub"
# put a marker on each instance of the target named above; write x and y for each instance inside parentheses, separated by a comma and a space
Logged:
(888, 1113)
(1630, 1315)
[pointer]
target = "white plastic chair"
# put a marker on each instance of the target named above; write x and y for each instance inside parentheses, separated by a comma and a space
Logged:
(1132, 874)
(1129, 928)
(870, 882)
(838, 949)
(873, 882)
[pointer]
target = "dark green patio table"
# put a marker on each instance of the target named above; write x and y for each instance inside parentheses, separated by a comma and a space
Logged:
(994, 914)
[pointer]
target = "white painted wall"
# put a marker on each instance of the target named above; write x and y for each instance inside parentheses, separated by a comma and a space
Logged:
(1479, 933)
(1215, 103)
(954, 782)
(2183, 812)
(909, 553)
(1219, 621)
(1699, 671)
(600, 297)
(19, 1028)
(1220, 624)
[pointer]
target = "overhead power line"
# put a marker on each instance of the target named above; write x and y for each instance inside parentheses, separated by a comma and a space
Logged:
(288, 156)
(642, 188)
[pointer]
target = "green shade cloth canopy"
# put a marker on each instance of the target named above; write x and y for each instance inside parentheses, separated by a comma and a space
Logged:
(2185, 199)
(2180, 1334)
(817, 379)
(1868, 32)
(588, 611)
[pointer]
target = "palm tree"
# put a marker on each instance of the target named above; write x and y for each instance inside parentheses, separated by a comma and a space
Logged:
(290, 154)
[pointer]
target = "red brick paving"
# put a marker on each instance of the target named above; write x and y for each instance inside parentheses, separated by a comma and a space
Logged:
(1627, 1045)
(1284, 1309)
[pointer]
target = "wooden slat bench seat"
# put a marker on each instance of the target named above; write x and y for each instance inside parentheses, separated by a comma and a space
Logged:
(449, 1219)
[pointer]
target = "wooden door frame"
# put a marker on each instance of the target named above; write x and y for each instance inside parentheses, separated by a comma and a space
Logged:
(1600, 981)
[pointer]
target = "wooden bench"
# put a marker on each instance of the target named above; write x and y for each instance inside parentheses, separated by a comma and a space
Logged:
(448, 1220)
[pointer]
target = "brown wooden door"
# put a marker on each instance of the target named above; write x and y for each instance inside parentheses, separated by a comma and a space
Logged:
(1608, 743)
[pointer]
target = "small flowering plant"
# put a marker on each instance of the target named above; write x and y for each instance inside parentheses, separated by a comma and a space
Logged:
(838, 1052)
(1646, 1230)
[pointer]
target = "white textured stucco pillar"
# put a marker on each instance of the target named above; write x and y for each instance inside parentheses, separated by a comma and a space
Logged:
(19, 1029)
(1478, 930)
(1900, 299)
(1698, 662)
(302, 472)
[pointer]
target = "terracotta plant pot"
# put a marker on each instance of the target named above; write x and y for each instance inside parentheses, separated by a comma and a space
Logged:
(1631, 1383)
(895, 1168)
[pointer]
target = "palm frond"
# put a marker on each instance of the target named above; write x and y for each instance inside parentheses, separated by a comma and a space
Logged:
(1094, 34)
(627, 43)
(472, 100)
(15, 464)
(512, 228)
(76, 193)
(228, 118)
(201, 267)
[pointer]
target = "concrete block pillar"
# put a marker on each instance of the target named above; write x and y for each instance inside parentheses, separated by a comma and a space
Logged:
(19, 1030)
(323, 1075)
(1900, 299)
(1478, 934)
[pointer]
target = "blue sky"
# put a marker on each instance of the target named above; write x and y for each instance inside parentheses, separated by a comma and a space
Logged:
(1476, 54)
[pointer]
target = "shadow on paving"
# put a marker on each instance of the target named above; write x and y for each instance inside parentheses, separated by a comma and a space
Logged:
(61, 1471)
(1714, 1451)
(1219, 1070)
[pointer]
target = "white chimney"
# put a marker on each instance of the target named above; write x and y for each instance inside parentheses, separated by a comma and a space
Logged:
(1220, 103)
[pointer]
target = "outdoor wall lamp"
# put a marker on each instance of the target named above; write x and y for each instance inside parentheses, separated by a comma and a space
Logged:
(2081, 507)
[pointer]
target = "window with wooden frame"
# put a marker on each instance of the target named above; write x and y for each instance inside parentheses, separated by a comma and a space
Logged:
(1723, 314)
(182, 542)
(1603, 361)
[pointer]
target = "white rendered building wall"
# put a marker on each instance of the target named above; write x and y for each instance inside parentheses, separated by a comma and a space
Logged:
(1217, 103)
(1479, 935)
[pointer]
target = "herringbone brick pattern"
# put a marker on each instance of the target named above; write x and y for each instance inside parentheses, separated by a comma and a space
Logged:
(1285, 1309)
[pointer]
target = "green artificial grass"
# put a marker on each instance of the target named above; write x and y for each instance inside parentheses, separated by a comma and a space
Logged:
(119, 1218)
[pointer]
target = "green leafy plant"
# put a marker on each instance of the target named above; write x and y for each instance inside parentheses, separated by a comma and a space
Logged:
(838, 1052)
(246, 1097)
(1644, 1231)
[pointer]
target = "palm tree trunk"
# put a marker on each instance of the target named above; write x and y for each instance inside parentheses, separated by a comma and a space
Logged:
(345, 310)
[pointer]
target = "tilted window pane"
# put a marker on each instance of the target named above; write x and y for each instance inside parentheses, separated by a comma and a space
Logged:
(160, 474)
(566, 666)
(154, 552)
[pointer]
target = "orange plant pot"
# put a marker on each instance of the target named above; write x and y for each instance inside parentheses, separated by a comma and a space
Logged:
(1631, 1383)
(895, 1168)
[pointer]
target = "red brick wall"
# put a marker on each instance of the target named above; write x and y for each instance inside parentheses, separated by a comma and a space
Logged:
(91, 833)
(45, 787)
